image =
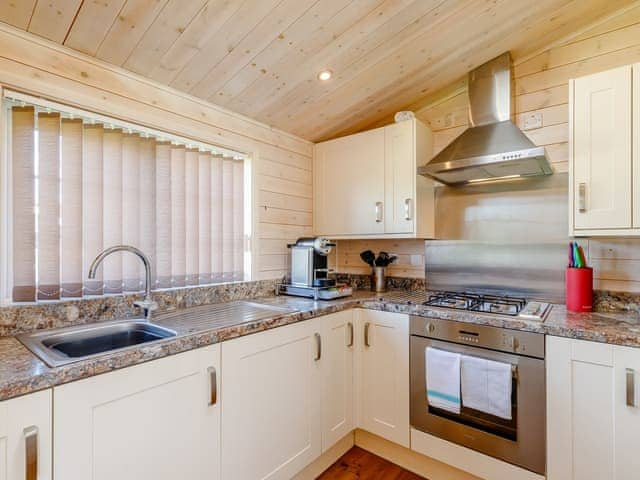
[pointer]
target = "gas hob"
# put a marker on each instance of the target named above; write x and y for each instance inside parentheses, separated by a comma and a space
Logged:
(498, 304)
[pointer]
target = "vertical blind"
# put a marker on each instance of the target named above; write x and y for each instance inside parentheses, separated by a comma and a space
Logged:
(78, 188)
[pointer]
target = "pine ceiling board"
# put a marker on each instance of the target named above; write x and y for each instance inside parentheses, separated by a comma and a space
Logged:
(386, 105)
(17, 12)
(262, 91)
(134, 19)
(310, 46)
(285, 45)
(172, 21)
(568, 19)
(91, 25)
(399, 32)
(394, 30)
(204, 26)
(381, 88)
(438, 42)
(618, 19)
(570, 52)
(226, 39)
(52, 19)
(584, 50)
(269, 29)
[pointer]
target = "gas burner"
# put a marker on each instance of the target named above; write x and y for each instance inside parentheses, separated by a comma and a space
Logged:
(502, 305)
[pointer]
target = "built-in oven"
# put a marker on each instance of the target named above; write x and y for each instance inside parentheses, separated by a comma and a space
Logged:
(519, 440)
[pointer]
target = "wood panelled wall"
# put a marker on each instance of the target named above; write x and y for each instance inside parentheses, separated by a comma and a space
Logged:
(542, 112)
(282, 162)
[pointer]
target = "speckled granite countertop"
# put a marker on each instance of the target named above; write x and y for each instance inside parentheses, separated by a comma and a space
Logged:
(21, 372)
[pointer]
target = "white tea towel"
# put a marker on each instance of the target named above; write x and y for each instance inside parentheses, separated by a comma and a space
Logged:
(486, 386)
(499, 391)
(474, 383)
(443, 379)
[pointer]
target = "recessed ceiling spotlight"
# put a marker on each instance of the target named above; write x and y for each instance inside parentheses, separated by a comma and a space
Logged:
(325, 75)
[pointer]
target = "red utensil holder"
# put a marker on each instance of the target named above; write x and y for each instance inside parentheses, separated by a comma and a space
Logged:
(579, 283)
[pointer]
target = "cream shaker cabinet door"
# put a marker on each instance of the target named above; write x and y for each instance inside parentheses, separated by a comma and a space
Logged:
(338, 346)
(601, 145)
(581, 422)
(636, 145)
(383, 374)
(25, 437)
(349, 185)
(155, 421)
(627, 412)
(400, 177)
(271, 425)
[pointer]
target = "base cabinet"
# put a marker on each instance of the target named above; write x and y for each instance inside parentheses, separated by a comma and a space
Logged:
(271, 402)
(593, 410)
(337, 363)
(158, 420)
(25, 437)
(383, 374)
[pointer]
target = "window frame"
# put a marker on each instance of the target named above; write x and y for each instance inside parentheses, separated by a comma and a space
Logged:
(8, 99)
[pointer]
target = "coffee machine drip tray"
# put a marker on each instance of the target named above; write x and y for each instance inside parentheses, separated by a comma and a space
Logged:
(317, 293)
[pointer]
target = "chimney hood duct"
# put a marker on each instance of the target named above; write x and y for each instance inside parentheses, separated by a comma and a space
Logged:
(493, 147)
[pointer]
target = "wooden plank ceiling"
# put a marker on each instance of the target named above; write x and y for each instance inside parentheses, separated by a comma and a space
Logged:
(261, 57)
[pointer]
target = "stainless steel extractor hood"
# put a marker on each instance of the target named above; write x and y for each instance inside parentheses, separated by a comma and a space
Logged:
(493, 147)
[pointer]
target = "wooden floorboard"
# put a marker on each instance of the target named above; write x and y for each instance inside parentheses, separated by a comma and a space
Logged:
(358, 464)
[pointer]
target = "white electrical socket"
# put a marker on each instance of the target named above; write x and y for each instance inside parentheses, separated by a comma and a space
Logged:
(533, 121)
(417, 260)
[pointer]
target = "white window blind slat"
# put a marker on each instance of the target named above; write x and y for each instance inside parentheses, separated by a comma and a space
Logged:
(191, 216)
(112, 207)
(204, 218)
(71, 208)
(163, 216)
(148, 202)
(178, 221)
(48, 205)
(227, 220)
(23, 198)
(216, 219)
(92, 201)
(238, 221)
(131, 275)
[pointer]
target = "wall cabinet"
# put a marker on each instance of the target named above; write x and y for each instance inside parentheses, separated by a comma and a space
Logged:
(604, 167)
(593, 410)
(365, 185)
(25, 437)
(158, 420)
(383, 374)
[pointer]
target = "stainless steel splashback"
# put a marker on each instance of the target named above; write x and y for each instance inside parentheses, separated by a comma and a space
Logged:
(501, 239)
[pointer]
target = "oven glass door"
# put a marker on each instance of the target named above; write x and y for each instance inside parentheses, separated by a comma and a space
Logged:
(520, 441)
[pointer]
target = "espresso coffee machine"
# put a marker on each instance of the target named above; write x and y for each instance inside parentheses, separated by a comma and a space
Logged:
(309, 275)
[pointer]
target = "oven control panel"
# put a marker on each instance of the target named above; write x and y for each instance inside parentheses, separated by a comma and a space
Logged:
(483, 336)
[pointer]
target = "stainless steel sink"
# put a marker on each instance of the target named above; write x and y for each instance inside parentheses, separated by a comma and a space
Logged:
(71, 344)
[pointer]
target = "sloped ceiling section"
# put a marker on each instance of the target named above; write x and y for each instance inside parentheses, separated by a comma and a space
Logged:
(261, 58)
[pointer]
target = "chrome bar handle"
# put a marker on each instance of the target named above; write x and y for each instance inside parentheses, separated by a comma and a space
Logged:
(31, 453)
(318, 347)
(379, 214)
(350, 327)
(408, 209)
(631, 387)
(367, 343)
(582, 197)
(213, 385)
